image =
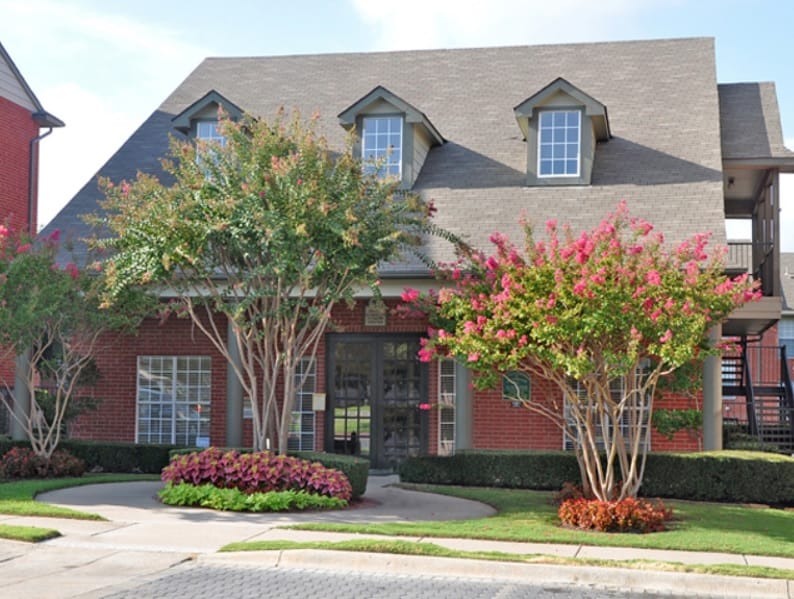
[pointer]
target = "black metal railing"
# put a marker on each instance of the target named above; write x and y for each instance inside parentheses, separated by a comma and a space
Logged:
(758, 395)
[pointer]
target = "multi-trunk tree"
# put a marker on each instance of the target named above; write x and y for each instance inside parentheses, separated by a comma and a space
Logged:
(604, 315)
(270, 229)
(52, 322)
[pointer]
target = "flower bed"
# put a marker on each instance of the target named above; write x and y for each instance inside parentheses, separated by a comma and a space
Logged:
(259, 472)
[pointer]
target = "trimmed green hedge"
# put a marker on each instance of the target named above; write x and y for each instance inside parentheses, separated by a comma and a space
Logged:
(355, 468)
(730, 476)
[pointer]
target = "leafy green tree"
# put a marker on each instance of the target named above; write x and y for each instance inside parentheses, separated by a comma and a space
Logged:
(604, 316)
(270, 229)
(51, 314)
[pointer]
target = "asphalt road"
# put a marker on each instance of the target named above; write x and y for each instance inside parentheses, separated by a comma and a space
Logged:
(232, 581)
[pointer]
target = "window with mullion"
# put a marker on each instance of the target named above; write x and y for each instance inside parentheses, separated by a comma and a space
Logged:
(381, 145)
(301, 430)
(173, 397)
(559, 143)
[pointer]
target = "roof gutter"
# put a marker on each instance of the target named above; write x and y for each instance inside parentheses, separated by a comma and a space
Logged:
(44, 119)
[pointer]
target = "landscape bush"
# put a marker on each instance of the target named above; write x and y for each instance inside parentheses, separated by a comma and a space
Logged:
(626, 515)
(22, 462)
(110, 456)
(260, 472)
(355, 468)
(728, 476)
(234, 500)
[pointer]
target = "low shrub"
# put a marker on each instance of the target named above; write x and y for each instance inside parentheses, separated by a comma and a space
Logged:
(22, 462)
(483, 468)
(728, 476)
(356, 469)
(260, 472)
(627, 515)
(234, 500)
(109, 456)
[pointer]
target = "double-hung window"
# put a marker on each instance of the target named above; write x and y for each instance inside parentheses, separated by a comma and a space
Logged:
(381, 145)
(173, 397)
(301, 428)
(447, 391)
(559, 143)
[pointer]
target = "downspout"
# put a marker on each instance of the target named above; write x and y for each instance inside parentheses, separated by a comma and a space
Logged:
(33, 178)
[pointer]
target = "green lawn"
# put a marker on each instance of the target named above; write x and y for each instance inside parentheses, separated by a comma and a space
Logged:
(17, 497)
(30, 534)
(530, 516)
(429, 549)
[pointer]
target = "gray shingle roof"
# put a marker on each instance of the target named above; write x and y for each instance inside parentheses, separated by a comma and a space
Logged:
(665, 158)
(750, 121)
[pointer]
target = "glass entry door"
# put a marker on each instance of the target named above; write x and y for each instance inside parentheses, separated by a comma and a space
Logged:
(376, 385)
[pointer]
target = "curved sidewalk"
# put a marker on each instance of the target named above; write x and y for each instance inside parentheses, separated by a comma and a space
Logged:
(142, 537)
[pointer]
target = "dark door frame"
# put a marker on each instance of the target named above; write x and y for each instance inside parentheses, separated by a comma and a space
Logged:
(377, 401)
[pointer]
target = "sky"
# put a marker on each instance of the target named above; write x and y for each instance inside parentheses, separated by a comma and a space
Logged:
(103, 66)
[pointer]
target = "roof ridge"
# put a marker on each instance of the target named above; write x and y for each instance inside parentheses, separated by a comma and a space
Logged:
(463, 49)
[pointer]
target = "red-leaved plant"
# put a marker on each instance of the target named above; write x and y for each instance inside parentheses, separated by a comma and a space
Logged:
(258, 472)
(626, 515)
(23, 462)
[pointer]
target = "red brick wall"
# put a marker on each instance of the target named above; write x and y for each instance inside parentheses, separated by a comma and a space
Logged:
(115, 418)
(17, 128)
(497, 424)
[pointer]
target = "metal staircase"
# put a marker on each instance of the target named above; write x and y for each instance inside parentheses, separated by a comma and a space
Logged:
(758, 395)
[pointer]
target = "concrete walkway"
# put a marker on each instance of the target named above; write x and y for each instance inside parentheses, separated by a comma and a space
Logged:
(142, 539)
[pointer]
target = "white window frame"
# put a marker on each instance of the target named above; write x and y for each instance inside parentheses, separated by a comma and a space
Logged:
(194, 405)
(302, 425)
(214, 135)
(447, 392)
(386, 153)
(564, 143)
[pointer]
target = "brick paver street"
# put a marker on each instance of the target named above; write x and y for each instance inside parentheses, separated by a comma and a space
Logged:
(246, 581)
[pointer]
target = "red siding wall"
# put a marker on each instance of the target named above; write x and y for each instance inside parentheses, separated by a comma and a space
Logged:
(16, 130)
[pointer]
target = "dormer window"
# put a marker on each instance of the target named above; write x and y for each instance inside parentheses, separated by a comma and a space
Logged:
(381, 145)
(394, 137)
(200, 119)
(562, 125)
(559, 143)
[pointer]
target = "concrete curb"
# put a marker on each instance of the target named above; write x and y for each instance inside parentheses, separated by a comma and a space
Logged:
(607, 579)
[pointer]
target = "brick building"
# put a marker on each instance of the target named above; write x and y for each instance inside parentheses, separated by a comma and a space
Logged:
(22, 119)
(554, 132)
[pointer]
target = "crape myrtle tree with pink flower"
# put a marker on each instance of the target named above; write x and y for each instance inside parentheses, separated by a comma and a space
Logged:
(270, 230)
(50, 315)
(604, 315)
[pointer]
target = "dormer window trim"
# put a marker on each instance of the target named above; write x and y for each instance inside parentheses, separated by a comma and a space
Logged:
(205, 109)
(555, 152)
(418, 134)
(382, 159)
(561, 97)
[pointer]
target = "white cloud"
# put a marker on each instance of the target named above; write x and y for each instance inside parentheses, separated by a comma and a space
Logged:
(449, 23)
